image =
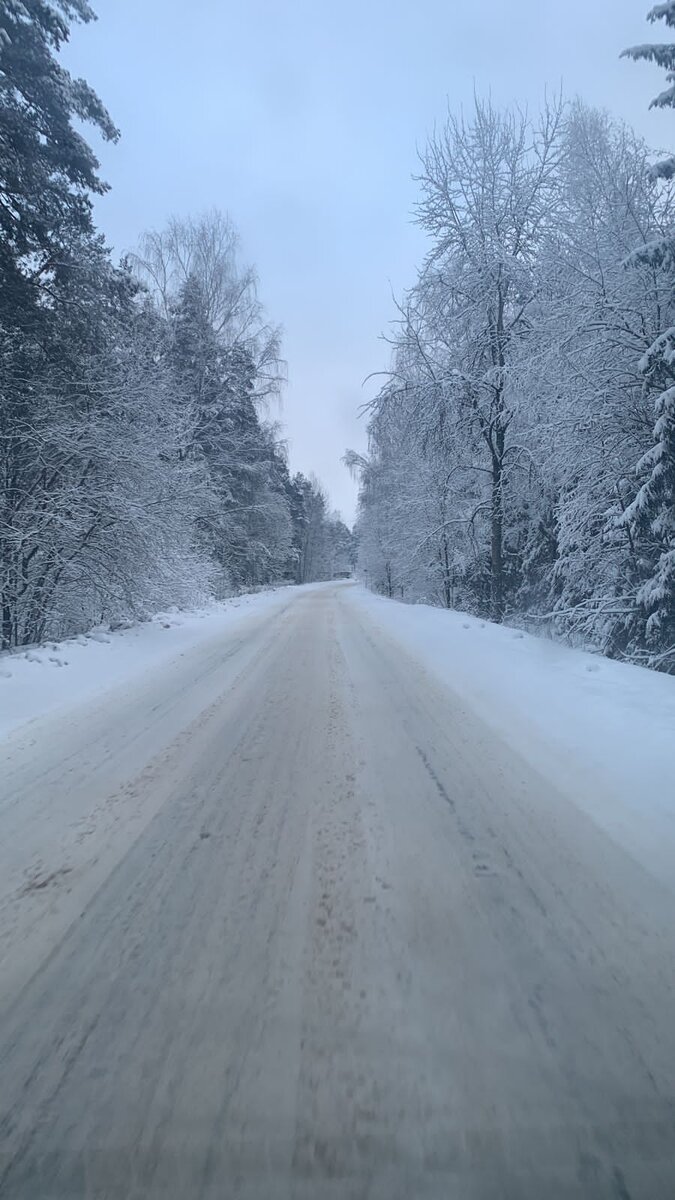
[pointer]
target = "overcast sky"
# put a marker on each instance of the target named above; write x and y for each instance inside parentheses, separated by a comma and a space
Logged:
(301, 119)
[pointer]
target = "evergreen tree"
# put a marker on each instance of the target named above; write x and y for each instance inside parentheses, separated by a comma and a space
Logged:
(652, 513)
(663, 54)
(651, 516)
(247, 524)
(47, 170)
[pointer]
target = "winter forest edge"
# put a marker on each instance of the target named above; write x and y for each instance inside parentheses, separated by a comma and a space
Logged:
(140, 464)
(521, 459)
(521, 456)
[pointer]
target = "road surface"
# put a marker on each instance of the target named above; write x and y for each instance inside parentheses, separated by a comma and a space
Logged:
(334, 940)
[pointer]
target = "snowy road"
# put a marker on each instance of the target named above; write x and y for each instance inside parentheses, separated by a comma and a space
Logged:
(289, 921)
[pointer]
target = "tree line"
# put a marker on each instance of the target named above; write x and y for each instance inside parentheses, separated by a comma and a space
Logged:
(521, 455)
(139, 466)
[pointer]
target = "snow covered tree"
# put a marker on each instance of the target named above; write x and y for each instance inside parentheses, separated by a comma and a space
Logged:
(488, 193)
(206, 250)
(651, 516)
(47, 170)
(663, 55)
(340, 548)
(225, 357)
(596, 321)
(312, 563)
(444, 469)
(138, 465)
(652, 513)
(323, 545)
(97, 511)
(522, 384)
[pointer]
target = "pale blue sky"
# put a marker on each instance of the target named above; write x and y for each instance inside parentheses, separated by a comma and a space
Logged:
(301, 119)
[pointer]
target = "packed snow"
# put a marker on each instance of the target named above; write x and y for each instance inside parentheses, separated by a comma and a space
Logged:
(59, 675)
(601, 731)
(337, 939)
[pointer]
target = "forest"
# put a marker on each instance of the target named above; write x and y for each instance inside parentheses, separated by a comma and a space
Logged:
(140, 462)
(521, 460)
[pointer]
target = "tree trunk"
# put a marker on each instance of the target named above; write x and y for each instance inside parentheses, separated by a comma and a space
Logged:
(6, 640)
(447, 581)
(497, 533)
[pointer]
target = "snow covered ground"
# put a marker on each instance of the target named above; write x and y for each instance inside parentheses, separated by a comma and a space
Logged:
(56, 676)
(288, 907)
(81, 742)
(604, 732)
(88, 719)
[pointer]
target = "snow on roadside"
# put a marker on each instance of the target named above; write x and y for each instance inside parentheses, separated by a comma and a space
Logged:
(43, 679)
(601, 731)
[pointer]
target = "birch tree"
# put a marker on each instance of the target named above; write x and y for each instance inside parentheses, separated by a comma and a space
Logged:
(488, 194)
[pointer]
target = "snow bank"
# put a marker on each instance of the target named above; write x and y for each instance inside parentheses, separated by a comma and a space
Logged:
(55, 676)
(603, 732)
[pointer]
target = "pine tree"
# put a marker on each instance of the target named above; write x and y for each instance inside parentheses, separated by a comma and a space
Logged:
(247, 526)
(56, 290)
(651, 516)
(652, 513)
(47, 170)
(663, 55)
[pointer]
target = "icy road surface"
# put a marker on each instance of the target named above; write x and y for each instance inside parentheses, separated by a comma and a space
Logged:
(288, 921)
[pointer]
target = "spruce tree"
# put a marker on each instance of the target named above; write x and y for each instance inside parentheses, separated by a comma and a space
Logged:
(663, 55)
(651, 516)
(47, 170)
